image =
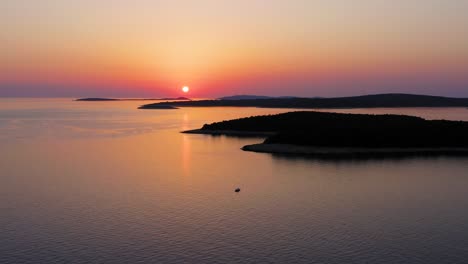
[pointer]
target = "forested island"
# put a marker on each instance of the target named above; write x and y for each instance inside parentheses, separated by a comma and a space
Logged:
(366, 101)
(319, 133)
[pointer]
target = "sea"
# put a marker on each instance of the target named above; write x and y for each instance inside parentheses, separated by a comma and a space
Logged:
(104, 182)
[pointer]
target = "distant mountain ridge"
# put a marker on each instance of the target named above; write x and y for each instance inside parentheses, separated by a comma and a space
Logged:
(251, 97)
(364, 101)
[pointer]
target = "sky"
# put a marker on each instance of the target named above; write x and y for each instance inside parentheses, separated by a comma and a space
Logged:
(143, 48)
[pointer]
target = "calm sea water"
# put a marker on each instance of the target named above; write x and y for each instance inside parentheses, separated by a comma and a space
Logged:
(103, 182)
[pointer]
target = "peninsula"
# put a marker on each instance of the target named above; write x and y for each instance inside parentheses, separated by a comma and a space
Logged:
(365, 101)
(334, 134)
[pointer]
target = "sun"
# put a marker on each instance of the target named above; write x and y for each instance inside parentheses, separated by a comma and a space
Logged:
(185, 89)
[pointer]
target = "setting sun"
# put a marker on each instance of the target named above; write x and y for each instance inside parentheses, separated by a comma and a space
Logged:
(185, 89)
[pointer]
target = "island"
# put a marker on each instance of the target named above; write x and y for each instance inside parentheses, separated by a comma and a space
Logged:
(251, 97)
(92, 99)
(160, 106)
(95, 99)
(336, 134)
(365, 101)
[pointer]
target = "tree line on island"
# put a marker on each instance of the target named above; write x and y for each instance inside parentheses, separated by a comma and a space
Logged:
(351, 130)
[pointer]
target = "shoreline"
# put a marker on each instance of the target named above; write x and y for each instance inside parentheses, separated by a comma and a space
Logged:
(346, 151)
(229, 133)
(327, 152)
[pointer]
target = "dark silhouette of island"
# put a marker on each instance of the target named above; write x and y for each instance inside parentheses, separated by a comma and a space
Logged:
(96, 99)
(251, 97)
(161, 106)
(320, 133)
(366, 101)
(133, 99)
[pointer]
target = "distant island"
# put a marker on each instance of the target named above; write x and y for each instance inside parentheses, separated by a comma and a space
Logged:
(96, 99)
(133, 99)
(365, 101)
(333, 134)
(160, 106)
(251, 97)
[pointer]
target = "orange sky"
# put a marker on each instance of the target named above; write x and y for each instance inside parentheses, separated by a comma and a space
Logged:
(304, 48)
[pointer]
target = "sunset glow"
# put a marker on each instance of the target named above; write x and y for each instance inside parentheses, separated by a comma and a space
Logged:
(185, 89)
(303, 48)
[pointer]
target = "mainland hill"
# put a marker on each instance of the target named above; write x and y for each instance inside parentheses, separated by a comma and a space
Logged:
(251, 97)
(320, 133)
(365, 101)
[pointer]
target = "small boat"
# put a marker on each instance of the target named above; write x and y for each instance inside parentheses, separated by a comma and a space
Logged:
(237, 190)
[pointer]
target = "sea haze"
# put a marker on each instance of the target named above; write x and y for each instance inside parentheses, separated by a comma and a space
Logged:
(104, 182)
